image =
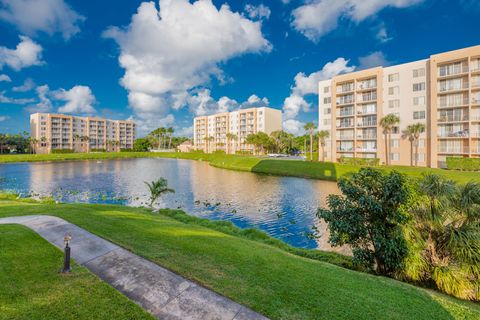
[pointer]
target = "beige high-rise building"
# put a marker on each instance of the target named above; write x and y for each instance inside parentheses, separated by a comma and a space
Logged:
(240, 123)
(442, 92)
(80, 134)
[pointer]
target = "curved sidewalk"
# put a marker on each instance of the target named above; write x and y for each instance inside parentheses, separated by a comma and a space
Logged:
(163, 293)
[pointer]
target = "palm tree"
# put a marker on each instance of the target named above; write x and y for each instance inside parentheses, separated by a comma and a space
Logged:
(444, 237)
(85, 140)
(170, 133)
(252, 139)
(413, 132)
(44, 142)
(230, 136)
(309, 127)
(157, 188)
(387, 123)
(33, 144)
(208, 140)
(322, 136)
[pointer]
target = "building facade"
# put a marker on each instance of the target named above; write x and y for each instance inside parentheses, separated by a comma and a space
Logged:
(80, 134)
(442, 92)
(211, 133)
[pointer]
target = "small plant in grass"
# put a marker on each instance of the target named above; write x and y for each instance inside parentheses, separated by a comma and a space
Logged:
(157, 189)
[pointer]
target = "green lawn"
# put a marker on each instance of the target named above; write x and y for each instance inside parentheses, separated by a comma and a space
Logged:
(31, 286)
(266, 278)
(305, 169)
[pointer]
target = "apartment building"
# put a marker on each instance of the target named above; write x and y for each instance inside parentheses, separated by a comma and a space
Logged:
(80, 134)
(442, 92)
(210, 132)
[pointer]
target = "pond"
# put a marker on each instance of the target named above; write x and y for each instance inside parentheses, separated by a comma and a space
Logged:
(283, 207)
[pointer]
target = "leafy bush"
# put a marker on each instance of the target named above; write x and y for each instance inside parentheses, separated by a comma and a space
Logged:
(360, 161)
(126, 150)
(369, 217)
(464, 164)
(62, 151)
(98, 150)
(219, 152)
(243, 152)
(141, 145)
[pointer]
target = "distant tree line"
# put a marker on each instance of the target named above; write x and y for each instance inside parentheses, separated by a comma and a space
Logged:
(16, 143)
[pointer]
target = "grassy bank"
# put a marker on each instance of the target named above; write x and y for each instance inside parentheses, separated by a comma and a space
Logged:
(304, 169)
(260, 275)
(32, 287)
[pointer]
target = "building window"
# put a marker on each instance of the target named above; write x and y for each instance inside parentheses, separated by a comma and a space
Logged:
(395, 156)
(394, 103)
(395, 143)
(393, 90)
(393, 77)
(327, 110)
(326, 122)
(327, 100)
(419, 101)
(419, 72)
(419, 86)
(326, 89)
(420, 157)
(396, 130)
(421, 143)
(418, 115)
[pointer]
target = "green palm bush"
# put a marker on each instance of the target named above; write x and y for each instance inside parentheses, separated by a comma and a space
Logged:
(158, 188)
(444, 237)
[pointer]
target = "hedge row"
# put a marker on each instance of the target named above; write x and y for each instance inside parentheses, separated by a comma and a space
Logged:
(360, 161)
(98, 150)
(62, 151)
(464, 164)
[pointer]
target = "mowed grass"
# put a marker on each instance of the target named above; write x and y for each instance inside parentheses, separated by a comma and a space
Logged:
(294, 168)
(31, 286)
(263, 277)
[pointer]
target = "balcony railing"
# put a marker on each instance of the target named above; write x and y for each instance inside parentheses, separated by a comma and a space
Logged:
(445, 103)
(367, 136)
(453, 118)
(476, 101)
(345, 149)
(345, 125)
(342, 102)
(345, 113)
(447, 88)
(367, 111)
(475, 134)
(345, 138)
(452, 150)
(454, 134)
(444, 72)
(366, 149)
(367, 124)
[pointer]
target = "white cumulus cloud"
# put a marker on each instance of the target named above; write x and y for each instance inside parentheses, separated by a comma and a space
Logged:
(44, 103)
(5, 78)
(257, 12)
(168, 53)
(374, 59)
(318, 17)
(27, 53)
(79, 99)
(294, 127)
(33, 16)
(27, 85)
(8, 100)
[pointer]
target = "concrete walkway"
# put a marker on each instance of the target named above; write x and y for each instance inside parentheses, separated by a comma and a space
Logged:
(163, 293)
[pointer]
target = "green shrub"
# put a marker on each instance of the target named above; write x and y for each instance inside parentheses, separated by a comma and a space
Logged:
(126, 150)
(98, 150)
(219, 152)
(360, 161)
(464, 164)
(244, 152)
(62, 151)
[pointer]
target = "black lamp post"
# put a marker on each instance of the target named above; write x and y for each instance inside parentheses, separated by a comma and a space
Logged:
(66, 257)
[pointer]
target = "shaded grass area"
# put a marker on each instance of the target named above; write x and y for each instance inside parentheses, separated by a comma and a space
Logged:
(259, 275)
(304, 169)
(31, 286)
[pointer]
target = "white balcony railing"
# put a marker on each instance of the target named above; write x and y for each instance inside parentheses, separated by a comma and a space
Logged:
(454, 134)
(367, 124)
(453, 118)
(452, 150)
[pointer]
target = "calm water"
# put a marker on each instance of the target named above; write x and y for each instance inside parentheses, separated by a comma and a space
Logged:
(281, 206)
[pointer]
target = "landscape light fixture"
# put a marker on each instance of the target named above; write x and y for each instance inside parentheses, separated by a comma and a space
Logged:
(66, 256)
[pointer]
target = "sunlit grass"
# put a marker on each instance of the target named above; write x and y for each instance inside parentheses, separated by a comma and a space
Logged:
(247, 268)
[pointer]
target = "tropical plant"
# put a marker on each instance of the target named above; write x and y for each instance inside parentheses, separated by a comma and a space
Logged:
(231, 136)
(158, 188)
(282, 142)
(33, 144)
(444, 237)
(309, 127)
(322, 136)
(388, 123)
(141, 145)
(170, 133)
(209, 139)
(413, 132)
(85, 141)
(369, 217)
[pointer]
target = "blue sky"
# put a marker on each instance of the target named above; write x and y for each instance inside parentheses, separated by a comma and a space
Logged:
(162, 63)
